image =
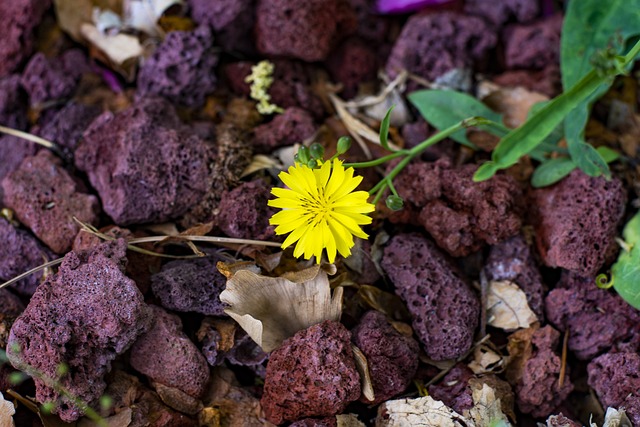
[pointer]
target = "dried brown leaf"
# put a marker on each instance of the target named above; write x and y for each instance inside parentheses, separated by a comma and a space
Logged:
(423, 411)
(486, 408)
(348, 420)
(121, 419)
(177, 399)
(365, 376)
(520, 349)
(6, 412)
(507, 306)
(486, 360)
(513, 103)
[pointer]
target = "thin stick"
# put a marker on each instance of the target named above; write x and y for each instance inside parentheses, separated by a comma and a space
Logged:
(29, 137)
(30, 272)
(563, 365)
(209, 239)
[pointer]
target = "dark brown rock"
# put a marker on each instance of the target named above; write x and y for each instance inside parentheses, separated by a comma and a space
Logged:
(499, 12)
(546, 81)
(293, 125)
(315, 422)
(445, 310)
(371, 25)
(533, 46)
(233, 21)
(13, 151)
(13, 103)
(10, 304)
(168, 357)
(312, 374)
(84, 316)
(454, 390)
(67, 126)
(244, 213)
(45, 198)
(576, 221)
(354, 62)
(145, 164)
(418, 131)
(306, 31)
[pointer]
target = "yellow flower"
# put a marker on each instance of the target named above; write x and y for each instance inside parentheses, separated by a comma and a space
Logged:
(320, 210)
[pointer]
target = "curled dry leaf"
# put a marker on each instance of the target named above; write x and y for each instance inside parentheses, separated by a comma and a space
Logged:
(272, 309)
(615, 418)
(365, 376)
(423, 411)
(120, 50)
(260, 162)
(513, 103)
(6, 412)
(486, 360)
(507, 306)
(348, 420)
(487, 409)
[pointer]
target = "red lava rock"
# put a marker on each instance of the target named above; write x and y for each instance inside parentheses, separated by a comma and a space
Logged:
(354, 62)
(10, 304)
(537, 390)
(52, 79)
(145, 164)
(535, 45)
(546, 81)
(245, 351)
(461, 215)
(83, 316)
(20, 18)
(312, 374)
(67, 126)
(512, 260)
(416, 132)
(576, 221)
(445, 310)
(316, 422)
(182, 68)
(167, 356)
(293, 125)
(244, 213)
(371, 25)
(232, 20)
(614, 377)
(190, 285)
(20, 253)
(430, 45)
(391, 356)
(454, 390)
(597, 319)
(45, 198)
(13, 151)
(499, 12)
(13, 103)
(306, 31)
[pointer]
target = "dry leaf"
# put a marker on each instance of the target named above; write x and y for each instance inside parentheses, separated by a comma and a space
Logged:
(513, 103)
(72, 14)
(225, 327)
(272, 309)
(486, 360)
(260, 162)
(520, 349)
(502, 391)
(143, 15)
(486, 408)
(365, 376)
(615, 418)
(423, 411)
(6, 412)
(348, 420)
(121, 419)
(507, 306)
(118, 48)
(177, 399)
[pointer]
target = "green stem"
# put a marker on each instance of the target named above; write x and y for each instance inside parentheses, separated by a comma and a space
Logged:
(377, 162)
(631, 55)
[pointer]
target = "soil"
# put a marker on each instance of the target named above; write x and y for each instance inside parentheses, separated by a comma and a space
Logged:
(175, 145)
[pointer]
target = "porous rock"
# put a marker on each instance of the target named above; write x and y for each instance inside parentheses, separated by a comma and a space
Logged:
(444, 309)
(67, 125)
(499, 12)
(13, 151)
(233, 21)
(145, 164)
(614, 377)
(454, 390)
(13, 103)
(167, 356)
(20, 18)
(20, 252)
(512, 260)
(244, 213)
(546, 81)
(354, 62)
(596, 318)
(315, 422)
(392, 357)
(372, 26)
(430, 45)
(190, 285)
(45, 198)
(306, 31)
(182, 68)
(416, 132)
(83, 316)
(293, 125)
(461, 215)
(312, 374)
(576, 221)
(533, 46)
(215, 334)
(10, 304)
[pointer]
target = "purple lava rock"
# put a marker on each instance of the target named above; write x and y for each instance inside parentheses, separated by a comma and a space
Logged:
(13, 151)
(576, 221)
(391, 356)
(614, 377)
(431, 45)
(306, 31)
(244, 213)
(20, 253)
(83, 316)
(191, 286)
(312, 374)
(538, 391)
(67, 126)
(52, 79)
(499, 12)
(232, 20)
(245, 351)
(182, 68)
(293, 125)
(461, 215)
(512, 260)
(167, 356)
(316, 422)
(145, 164)
(445, 310)
(354, 62)
(13, 103)
(533, 46)
(454, 390)
(597, 319)
(45, 198)
(416, 132)
(371, 25)
(20, 18)
(546, 81)
(10, 304)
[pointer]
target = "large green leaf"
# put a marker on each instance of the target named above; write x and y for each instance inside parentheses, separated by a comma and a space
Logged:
(590, 26)
(444, 108)
(625, 273)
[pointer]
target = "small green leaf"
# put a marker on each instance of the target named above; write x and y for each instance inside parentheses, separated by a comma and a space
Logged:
(485, 171)
(552, 171)
(444, 108)
(587, 158)
(625, 273)
(384, 129)
(608, 154)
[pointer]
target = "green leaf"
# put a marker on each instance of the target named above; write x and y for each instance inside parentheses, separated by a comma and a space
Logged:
(384, 129)
(444, 108)
(590, 26)
(625, 273)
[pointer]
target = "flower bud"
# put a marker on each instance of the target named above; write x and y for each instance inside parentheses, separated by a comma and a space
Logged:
(303, 155)
(344, 143)
(395, 203)
(317, 151)
(313, 163)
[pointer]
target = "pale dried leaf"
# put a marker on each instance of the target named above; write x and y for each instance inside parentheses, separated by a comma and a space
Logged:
(513, 103)
(271, 309)
(486, 410)
(486, 360)
(285, 155)
(6, 412)
(143, 15)
(400, 114)
(107, 21)
(365, 376)
(118, 48)
(71, 14)
(348, 420)
(260, 162)
(615, 418)
(177, 399)
(423, 412)
(508, 308)
(229, 269)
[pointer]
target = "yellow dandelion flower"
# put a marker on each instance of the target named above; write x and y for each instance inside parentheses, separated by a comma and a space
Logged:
(320, 210)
